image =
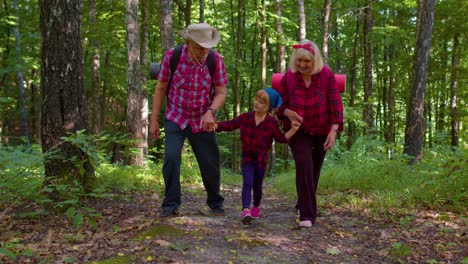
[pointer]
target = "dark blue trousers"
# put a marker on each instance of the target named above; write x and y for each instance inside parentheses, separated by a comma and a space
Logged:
(206, 151)
(252, 176)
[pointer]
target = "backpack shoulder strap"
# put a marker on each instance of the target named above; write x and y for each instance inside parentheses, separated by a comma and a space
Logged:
(174, 62)
(211, 61)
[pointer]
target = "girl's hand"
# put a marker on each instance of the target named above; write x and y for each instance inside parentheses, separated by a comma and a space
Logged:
(295, 125)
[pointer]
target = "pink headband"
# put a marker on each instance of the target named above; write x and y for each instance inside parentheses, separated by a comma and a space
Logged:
(306, 46)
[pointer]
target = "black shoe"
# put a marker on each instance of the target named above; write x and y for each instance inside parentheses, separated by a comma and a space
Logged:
(218, 211)
(166, 214)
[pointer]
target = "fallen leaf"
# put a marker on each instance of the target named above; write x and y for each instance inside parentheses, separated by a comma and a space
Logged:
(333, 251)
(162, 243)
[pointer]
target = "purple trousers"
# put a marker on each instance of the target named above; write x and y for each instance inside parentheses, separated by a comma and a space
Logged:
(252, 176)
(308, 154)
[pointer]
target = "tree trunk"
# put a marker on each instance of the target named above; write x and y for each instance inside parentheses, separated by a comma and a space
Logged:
(391, 96)
(136, 116)
(414, 132)
(453, 90)
(19, 74)
(33, 110)
(202, 11)
(237, 78)
(326, 33)
(63, 99)
(352, 92)
(263, 34)
(166, 25)
(302, 20)
(145, 15)
(280, 49)
(186, 10)
(368, 68)
(95, 64)
(105, 85)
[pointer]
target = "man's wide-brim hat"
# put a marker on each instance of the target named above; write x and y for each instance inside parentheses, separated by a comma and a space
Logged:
(203, 34)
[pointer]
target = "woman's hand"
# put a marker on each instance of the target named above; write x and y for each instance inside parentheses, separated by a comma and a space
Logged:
(293, 116)
(331, 138)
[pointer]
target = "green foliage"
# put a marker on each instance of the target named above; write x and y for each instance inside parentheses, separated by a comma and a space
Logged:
(400, 250)
(13, 248)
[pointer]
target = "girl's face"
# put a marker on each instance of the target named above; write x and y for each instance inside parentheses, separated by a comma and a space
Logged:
(304, 65)
(261, 102)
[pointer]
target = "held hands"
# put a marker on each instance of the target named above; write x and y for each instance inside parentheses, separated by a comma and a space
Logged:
(208, 122)
(293, 116)
(295, 125)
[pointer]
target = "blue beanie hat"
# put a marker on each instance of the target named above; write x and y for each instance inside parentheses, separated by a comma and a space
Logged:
(275, 98)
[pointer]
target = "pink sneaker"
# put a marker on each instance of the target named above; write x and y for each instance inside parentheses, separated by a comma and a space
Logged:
(246, 217)
(255, 212)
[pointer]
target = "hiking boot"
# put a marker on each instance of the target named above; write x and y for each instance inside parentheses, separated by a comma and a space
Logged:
(218, 211)
(255, 212)
(166, 214)
(246, 218)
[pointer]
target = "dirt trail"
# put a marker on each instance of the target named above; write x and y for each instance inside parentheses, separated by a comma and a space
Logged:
(130, 232)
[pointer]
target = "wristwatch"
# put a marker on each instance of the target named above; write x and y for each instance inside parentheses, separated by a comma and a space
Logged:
(213, 111)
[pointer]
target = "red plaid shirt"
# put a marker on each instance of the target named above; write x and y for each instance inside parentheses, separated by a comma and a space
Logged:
(320, 105)
(190, 94)
(256, 140)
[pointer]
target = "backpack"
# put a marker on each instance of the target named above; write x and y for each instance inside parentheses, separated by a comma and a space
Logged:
(156, 67)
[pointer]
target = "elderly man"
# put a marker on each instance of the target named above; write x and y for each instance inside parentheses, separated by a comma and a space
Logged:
(194, 95)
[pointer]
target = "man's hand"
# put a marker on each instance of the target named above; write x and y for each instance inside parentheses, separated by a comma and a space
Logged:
(207, 121)
(154, 128)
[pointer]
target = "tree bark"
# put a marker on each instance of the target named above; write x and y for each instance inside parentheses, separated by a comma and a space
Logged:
(326, 32)
(368, 68)
(186, 10)
(302, 20)
(453, 90)
(136, 116)
(166, 25)
(95, 64)
(280, 49)
(202, 11)
(19, 75)
(414, 132)
(63, 100)
(352, 92)
(237, 76)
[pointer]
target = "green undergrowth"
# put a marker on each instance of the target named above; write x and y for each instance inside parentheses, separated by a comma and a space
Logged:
(373, 181)
(364, 177)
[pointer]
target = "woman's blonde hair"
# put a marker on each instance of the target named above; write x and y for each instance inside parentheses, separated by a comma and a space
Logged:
(303, 53)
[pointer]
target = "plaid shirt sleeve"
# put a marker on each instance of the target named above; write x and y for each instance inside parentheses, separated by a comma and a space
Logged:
(278, 135)
(230, 125)
(165, 73)
(334, 103)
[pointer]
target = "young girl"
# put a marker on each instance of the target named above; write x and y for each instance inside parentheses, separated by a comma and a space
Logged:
(257, 131)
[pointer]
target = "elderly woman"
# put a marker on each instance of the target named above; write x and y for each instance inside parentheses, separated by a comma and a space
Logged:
(310, 97)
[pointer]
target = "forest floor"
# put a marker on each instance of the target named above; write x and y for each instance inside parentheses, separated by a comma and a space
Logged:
(129, 231)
